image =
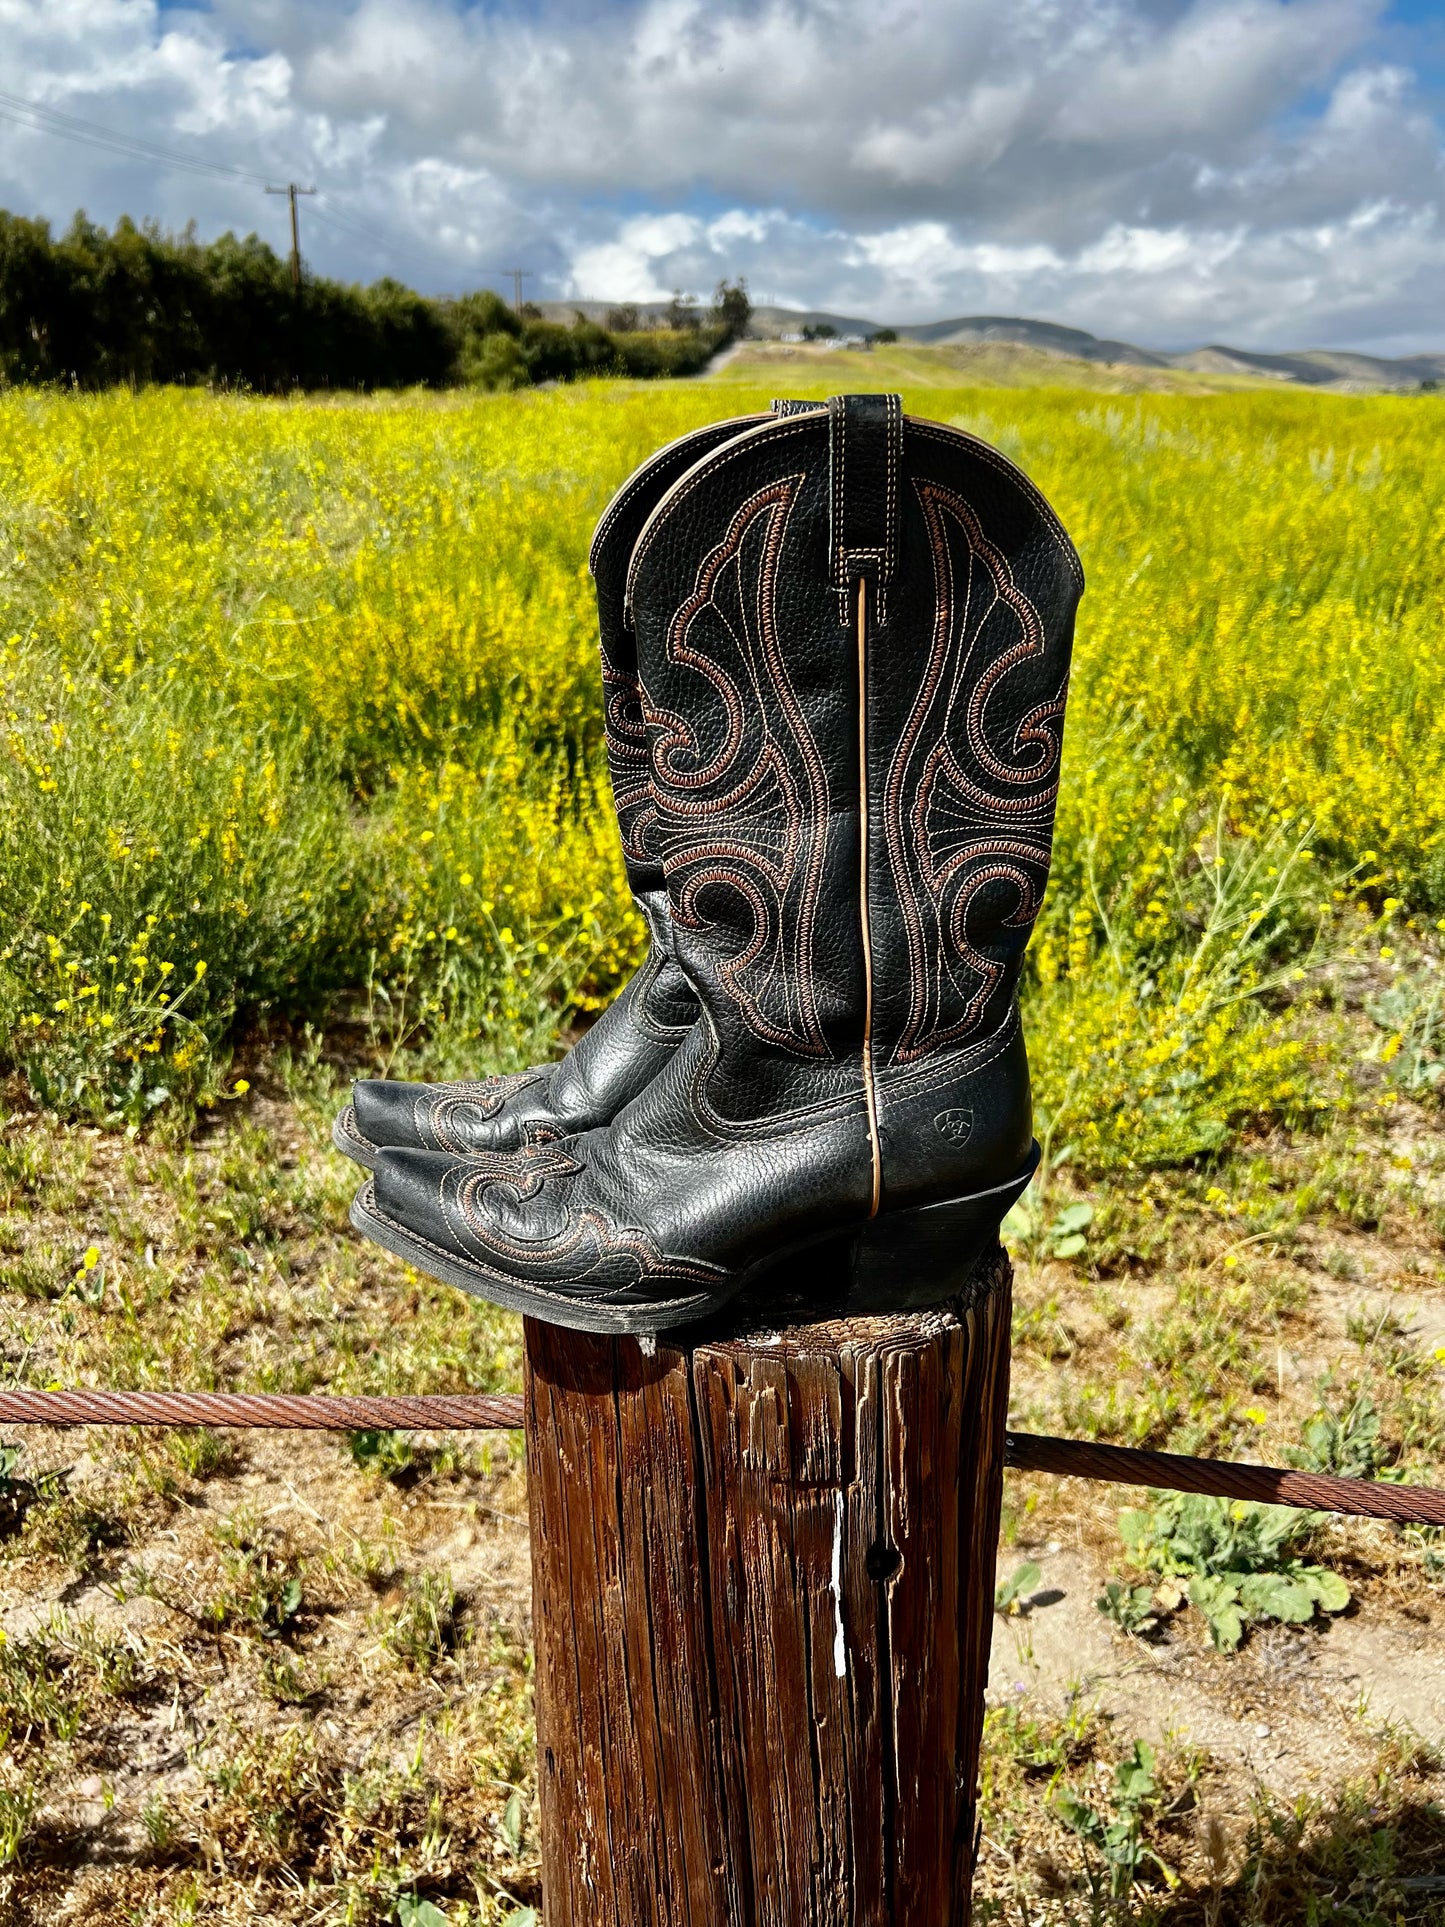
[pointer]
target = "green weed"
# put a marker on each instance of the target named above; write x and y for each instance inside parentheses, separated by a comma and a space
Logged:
(1130, 1608)
(1112, 1831)
(1236, 1561)
(1011, 1594)
(389, 1455)
(422, 1630)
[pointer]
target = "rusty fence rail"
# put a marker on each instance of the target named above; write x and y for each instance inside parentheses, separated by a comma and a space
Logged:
(502, 1411)
(1226, 1479)
(264, 1411)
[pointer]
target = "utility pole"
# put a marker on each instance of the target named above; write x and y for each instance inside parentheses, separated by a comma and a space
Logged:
(292, 190)
(519, 275)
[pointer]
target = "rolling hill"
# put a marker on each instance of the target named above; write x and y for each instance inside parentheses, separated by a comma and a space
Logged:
(1324, 368)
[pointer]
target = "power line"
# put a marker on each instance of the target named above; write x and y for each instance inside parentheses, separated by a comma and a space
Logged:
(38, 119)
(347, 223)
(328, 210)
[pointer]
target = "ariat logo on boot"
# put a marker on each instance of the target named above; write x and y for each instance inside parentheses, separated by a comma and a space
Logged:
(954, 1125)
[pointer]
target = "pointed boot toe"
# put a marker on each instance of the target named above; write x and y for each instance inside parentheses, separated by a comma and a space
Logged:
(524, 1232)
(403, 1207)
(491, 1114)
(382, 1111)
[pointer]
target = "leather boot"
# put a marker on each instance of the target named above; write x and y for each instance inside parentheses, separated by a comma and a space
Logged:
(853, 635)
(623, 1051)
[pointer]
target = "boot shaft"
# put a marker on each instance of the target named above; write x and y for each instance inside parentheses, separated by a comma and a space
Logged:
(607, 559)
(853, 633)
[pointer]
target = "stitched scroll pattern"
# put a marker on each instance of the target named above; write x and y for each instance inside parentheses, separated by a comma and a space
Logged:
(969, 802)
(449, 1114)
(627, 762)
(740, 790)
(522, 1212)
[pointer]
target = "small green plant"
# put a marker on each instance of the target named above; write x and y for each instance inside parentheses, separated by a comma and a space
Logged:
(263, 1590)
(198, 1450)
(411, 1911)
(185, 1903)
(16, 1806)
(65, 1526)
(422, 1630)
(1011, 1594)
(159, 1822)
(514, 1816)
(1130, 1608)
(1113, 1835)
(283, 1679)
(1234, 1560)
(1411, 1014)
(387, 1455)
(1347, 1443)
(1059, 1236)
(48, 1677)
(1044, 1329)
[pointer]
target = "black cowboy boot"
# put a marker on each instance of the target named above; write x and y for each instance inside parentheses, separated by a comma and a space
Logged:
(853, 636)
(623, 1051)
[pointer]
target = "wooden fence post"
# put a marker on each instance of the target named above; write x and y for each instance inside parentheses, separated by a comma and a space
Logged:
(763, 1572)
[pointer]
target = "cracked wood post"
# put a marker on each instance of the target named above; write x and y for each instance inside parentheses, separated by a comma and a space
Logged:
(763, 1575)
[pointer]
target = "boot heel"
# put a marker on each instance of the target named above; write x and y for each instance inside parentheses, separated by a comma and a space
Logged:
(906, 1260)
(901, 1261)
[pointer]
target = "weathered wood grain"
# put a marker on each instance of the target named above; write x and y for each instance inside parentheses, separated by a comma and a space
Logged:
(763, 1571)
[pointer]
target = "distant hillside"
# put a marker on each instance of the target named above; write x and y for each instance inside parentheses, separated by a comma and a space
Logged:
(1319, 367)
(795, 367)
(1335, 369)
(767, 324)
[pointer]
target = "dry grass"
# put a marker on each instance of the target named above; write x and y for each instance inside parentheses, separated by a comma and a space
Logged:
(251, 1676)
(258, 1677)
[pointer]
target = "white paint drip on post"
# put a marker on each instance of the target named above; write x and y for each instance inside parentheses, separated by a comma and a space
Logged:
(840, 1650)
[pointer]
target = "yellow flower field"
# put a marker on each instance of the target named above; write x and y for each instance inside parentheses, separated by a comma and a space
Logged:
(301, 714)
(301, 723)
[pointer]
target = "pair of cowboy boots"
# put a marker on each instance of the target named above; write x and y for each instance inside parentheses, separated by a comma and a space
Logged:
(835, 653)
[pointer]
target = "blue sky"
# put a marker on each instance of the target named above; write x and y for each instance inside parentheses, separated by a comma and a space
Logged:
(1264, 172)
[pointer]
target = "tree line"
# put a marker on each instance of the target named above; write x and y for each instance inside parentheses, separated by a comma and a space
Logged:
(93, 307)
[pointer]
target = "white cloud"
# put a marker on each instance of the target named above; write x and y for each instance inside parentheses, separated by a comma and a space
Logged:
(1139, 250)
(1168, 170)
(628, 267)
(967, 130)
(1214, 76)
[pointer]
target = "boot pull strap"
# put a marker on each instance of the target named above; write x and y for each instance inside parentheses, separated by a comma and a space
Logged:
(782, 405)
(865, 441)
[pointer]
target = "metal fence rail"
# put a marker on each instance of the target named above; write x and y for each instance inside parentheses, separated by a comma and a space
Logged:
(1226, 1479)
(470, 1412)
(502, 1411)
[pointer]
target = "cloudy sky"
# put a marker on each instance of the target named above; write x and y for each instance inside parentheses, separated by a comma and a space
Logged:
(1264, 172)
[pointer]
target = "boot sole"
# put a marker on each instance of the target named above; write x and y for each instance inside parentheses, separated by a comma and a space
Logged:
(902, 1261)
(349, 1141)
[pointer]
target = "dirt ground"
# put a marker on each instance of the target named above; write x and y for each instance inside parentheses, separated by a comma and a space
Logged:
(287, 1677)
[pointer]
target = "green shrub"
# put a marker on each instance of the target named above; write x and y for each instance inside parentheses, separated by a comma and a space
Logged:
(1237, 1561)
(159, 870)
